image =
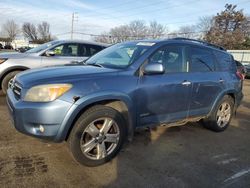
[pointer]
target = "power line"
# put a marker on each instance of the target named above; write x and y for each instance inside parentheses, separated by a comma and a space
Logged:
(146, 12)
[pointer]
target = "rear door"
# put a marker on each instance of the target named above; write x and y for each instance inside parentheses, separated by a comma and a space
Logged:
(207, 80)
(165, 97)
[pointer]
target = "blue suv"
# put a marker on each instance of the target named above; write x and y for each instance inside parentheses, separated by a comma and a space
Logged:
(97, 105)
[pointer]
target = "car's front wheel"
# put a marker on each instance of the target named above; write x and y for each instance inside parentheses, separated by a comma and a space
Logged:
(221, 116)
(97, 136)
(6, 80)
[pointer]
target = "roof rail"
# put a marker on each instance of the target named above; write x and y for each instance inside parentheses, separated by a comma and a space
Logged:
(201, 42)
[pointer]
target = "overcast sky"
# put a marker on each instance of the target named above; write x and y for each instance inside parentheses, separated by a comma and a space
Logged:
(97, 16)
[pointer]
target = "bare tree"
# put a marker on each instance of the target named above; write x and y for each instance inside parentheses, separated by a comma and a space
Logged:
(105, 38)
(43, 30)
(187, 31)
(156, 30)
(204, 24)
(29, 31)
(11, 29)
(137, 29)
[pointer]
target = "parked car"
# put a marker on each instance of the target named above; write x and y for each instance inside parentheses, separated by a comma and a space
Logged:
(57, 52)
(247, 71)
(241, 69)
(8, 47)
(23, 49)
(97, 106)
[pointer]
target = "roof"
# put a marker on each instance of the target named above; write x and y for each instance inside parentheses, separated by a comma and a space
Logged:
(186, 40)
(86, 42)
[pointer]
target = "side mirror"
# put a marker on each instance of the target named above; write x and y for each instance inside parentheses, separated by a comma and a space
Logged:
(50, 53)
(154, 68)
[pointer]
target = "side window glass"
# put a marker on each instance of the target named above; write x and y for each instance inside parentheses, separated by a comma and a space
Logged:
(94, 49)
(225, 61)
(201, 60)
(66, 50)
(58, 50)
(83, 52)
(171, 57)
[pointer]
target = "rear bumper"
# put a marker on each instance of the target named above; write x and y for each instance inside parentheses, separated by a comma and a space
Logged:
(28, 116)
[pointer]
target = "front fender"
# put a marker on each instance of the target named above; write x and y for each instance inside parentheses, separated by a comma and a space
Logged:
(85, 101)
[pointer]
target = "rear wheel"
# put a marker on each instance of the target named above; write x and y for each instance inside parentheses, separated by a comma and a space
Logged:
(97, 136)
(222, 115)
(7, 79)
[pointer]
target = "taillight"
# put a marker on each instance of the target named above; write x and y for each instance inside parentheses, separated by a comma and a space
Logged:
(240, 75)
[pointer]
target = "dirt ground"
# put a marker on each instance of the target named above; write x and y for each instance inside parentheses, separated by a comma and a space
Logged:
(187, 156)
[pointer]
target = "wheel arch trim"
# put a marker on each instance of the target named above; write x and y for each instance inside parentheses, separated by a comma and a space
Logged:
(84, 102)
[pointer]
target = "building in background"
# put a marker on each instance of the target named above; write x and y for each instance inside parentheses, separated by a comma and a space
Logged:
(242, 56)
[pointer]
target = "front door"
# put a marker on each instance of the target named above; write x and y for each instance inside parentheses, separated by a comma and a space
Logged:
(64, 54)
(164, 98)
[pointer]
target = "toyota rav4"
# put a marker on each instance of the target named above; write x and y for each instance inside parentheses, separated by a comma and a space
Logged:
(96, 106)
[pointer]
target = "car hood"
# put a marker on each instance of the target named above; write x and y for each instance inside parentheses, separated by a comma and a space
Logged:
(14, 55)
(65, 74)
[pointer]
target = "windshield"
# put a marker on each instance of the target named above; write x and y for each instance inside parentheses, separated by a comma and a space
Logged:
(42, 47)
(119, 55)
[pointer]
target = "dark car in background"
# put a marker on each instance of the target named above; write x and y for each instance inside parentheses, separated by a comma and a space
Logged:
(8, 47)
(247, 67)
(96, 106)
(23, 49)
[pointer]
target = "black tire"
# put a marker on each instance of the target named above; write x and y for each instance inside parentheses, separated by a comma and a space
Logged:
(6, 80)
(82, 124)
(212, 122)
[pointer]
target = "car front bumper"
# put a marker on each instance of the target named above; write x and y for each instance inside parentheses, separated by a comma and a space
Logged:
(28, 117)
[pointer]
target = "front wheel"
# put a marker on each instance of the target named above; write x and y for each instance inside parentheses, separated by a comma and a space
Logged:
(7, 79)
(221, 116)
(97, 136)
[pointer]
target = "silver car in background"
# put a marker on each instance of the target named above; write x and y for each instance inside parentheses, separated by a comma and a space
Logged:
(57, 52)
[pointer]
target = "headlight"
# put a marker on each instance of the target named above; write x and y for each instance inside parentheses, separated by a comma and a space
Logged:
(46, 93)
(2, 60)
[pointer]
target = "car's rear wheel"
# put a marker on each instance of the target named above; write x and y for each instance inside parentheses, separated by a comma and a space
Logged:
(7, 79)
(221, 116)
(97, 136)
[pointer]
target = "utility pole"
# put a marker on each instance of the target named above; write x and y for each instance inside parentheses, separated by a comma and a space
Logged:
(74, 17)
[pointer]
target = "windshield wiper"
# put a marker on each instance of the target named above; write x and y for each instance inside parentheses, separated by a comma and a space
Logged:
(93, 64)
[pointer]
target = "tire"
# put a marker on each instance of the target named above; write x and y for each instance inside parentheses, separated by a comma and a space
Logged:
(213, 122)
(6, 80)
(89, 131)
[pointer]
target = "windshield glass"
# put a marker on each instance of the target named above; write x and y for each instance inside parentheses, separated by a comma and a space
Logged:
(42, 47)
(119, 55)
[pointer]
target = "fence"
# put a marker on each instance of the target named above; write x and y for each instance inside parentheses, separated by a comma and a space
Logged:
(242, 56)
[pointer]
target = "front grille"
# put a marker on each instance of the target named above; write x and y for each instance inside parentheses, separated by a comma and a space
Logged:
(17, 89)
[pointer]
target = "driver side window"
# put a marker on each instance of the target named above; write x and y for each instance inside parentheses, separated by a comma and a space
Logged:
(66, 50)
(171, 57)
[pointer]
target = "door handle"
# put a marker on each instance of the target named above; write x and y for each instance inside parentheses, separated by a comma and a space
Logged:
(186, 83)
(221, 80)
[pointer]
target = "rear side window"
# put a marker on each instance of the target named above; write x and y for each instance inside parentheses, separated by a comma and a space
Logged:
(225, 61)
(94, 49)
(89, 50)
(201, 60)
